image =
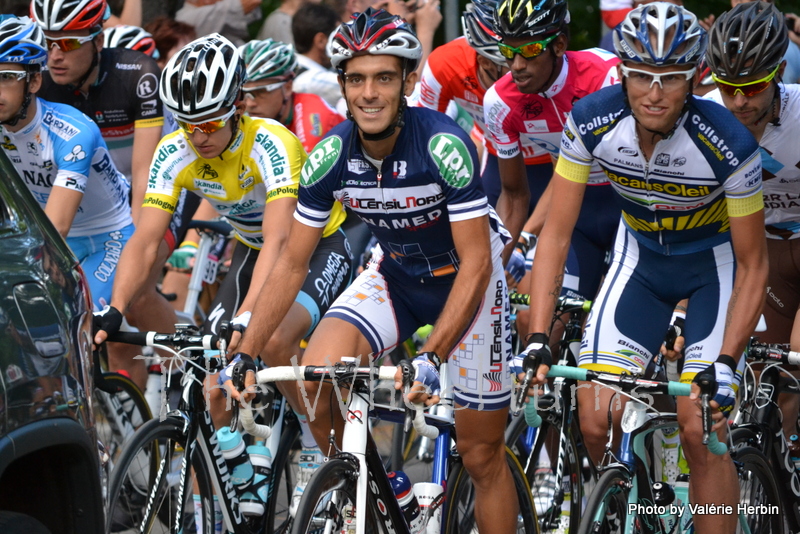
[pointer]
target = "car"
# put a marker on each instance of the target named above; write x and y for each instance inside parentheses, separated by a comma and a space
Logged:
(51, 462)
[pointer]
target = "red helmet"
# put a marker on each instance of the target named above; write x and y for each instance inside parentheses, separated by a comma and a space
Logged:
(65, 15)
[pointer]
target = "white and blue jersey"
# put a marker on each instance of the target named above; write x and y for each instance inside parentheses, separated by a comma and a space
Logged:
(62, 147)
(674, 239)
(677, 202)
(409, 201)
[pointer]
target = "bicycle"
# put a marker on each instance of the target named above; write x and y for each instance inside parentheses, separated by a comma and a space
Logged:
(626, 499)
(758, 422)
(354, 479)
(167, 460)
(549, 442)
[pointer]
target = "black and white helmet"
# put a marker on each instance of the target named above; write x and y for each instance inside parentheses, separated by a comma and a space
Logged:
(479, 32)
(750, 38)
(131, 37)
(204, 77)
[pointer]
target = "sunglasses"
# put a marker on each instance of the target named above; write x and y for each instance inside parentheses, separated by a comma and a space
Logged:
(68, 44)
(207, 127)
(253, 92)
(528, 51)
(747, 89)
(11, 76)
(666, 80)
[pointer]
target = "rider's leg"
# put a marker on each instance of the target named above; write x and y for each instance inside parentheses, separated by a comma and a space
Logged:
(594, 404)
(713, 478)
(484, 456)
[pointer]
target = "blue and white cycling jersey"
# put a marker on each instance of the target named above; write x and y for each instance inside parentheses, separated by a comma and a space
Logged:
(409, 202)
(679, 201)
(62, 147)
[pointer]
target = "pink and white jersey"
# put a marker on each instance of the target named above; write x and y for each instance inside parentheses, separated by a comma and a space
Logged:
(532, 123)
(451, 74)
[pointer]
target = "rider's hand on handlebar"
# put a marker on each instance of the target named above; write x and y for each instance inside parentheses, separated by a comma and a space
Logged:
(238, 326)
(720, 374)
(240, 363)
(106, 322)
(425, 387)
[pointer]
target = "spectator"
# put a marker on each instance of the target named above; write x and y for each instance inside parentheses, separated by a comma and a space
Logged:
(278, 25)
(311, 26)
(346, 8)
(229, 18)
(170, 36)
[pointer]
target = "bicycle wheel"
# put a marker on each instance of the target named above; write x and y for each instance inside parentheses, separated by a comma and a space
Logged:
(459, 513)
(118, 415)
(328, 503)
(143, 494)
(282, 482)
(759, 489)
(606, 509)
(558, 502)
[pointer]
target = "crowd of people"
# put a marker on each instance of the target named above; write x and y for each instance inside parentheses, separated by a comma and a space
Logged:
(656, 175)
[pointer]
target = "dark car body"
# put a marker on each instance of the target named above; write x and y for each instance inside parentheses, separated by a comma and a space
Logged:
(50, 465)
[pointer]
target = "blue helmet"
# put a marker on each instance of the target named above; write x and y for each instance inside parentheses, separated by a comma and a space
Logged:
(22, 42)
(660, 34)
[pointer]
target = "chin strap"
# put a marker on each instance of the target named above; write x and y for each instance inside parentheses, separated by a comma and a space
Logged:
(95, 62)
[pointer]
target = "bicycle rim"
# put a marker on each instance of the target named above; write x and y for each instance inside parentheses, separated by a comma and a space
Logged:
(145, 487)
(606, 509)
(757, 488)
(118, 416)
(328, 503)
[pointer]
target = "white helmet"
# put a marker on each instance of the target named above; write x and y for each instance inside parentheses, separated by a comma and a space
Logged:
(132, 37)
(204, 77)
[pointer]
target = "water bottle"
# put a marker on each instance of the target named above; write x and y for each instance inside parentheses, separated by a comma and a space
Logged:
(682, 499)
(664, 496)
(254, 499)
(408, 501)
(794, 451)
(236, 457)
(430, 496)
(152, 392)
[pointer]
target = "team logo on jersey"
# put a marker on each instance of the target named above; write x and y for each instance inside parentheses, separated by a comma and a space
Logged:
(32, 148)
(209, 188)
(357, 166)
(99, 117)
(147, 86)
(679, 162)
(632, 152)
(245, 181)
(532, 109)
(453, 159)
(321, 160)
(662, 160)
(316, 125)
(61, 128)
(470, 83)
(77, 154)
(536, 126)
(399, 169)
(208, 172)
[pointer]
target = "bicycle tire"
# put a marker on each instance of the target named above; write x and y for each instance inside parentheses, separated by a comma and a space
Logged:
(550, 494)
(757, 486)
(459, 517)
(140, 481)
(282, 483)
(606, 509)
(329, 499)
(114, 423)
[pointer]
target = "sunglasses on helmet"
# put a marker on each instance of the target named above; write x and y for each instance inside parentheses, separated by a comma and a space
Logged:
(747, 89)
(207, 127)
(528, 50)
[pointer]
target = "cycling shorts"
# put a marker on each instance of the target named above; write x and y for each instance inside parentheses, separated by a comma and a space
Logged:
(329, 273)
(388, 311)
(98, 255)
(783, 290)
(631, 314)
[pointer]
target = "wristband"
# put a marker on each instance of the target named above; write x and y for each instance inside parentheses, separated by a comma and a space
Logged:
(729, 361)
(433, 358)
(188, 243)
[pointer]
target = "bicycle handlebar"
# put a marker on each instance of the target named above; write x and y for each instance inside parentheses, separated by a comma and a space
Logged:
(180, 339)
(772, 352)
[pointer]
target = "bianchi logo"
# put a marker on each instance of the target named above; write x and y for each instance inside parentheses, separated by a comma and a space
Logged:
(321, 160)
(453, 159)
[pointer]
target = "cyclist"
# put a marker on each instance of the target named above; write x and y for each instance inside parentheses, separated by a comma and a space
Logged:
(131, 37)
(268, 92)
(687, 175)
(63, 159)
(411, 174)
(525, 114)
(462, 70)
(248, 169)
(118, 89)
(747, 77)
